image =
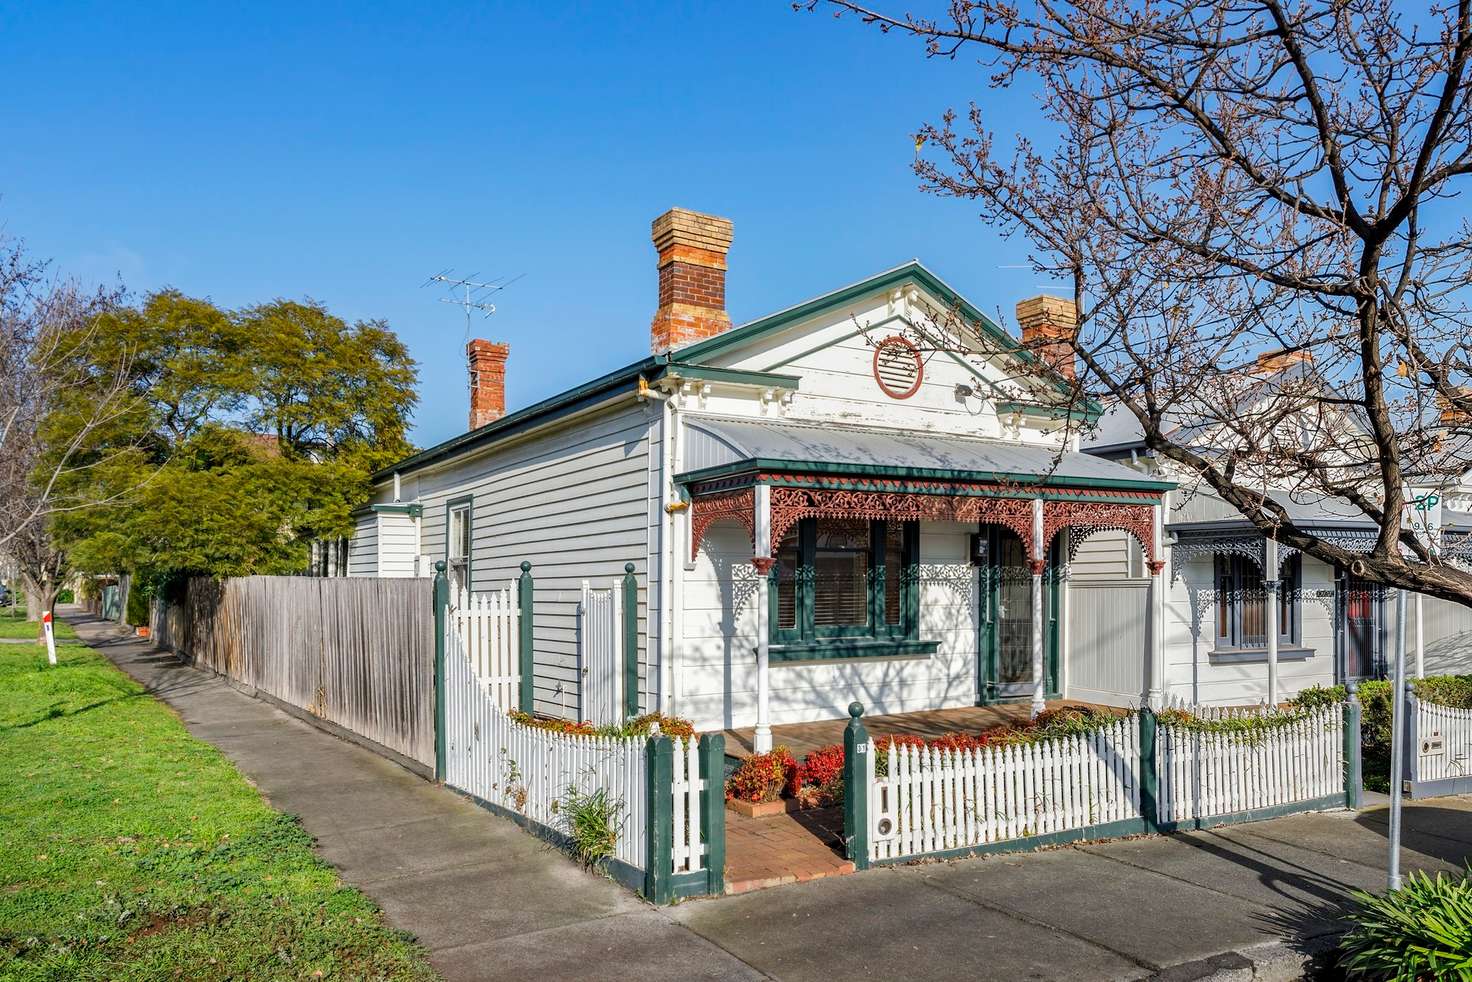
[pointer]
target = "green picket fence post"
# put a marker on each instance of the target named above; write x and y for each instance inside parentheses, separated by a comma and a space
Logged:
(631, 641)
(1149, 779)
(713, 810)
(526, 668)
(1353, 775)
(441, 609)
(856, 749)
(659, 835)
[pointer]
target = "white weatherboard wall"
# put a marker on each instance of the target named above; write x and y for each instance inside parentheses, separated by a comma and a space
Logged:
(574, 501)
(716, 653)
(363, 548)
(398, 544)
(1448, 631)
(1109, 640)
(1194, 674)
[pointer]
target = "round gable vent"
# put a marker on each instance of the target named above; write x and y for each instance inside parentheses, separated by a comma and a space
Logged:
(897, 367)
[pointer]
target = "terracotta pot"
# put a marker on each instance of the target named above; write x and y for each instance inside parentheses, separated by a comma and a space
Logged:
(143, 632)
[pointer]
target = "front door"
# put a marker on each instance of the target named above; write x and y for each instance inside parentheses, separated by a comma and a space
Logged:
(1359, 628)
(1004, 647)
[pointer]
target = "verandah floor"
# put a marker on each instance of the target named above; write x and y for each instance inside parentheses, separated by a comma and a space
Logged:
(803, 738)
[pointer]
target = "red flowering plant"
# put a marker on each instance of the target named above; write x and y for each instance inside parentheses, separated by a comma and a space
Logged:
(762, 777)
(820, 778)
(552, 725)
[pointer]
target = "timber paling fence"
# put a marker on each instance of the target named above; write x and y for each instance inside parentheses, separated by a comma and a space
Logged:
(1134, 776)
(358, 653)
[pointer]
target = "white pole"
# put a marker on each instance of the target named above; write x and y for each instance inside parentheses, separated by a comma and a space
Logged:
(1397, 736)
(1039, 559)
(1155, 693)
(50, 637)
(1420, 641)
(1272, 585)
(761, 740)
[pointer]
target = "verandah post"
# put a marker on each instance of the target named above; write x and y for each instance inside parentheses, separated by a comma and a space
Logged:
(441, 604)
(631, 641)
(1353, 778)
(713, 810)
(1149, 779)
(856, 788)
(659, 835)
(526, 670)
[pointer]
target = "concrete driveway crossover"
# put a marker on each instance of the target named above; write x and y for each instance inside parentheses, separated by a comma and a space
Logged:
(491, 902)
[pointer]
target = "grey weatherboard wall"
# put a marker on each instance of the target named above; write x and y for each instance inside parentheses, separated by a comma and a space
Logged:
(577, 502)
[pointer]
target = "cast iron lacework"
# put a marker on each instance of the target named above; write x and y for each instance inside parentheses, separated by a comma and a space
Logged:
(1085, 518)
(959, 578)
(738, 504)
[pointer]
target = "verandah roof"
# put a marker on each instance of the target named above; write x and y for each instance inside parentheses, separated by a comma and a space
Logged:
(717, 446)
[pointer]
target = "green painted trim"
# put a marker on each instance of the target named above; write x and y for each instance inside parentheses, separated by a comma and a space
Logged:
(625, 874)
(736, 376)
(660, 815)
(754, 465)
(1149, 779)
(856, 775)
(441, 608)
(563, 404)
(692, 884)
(631, 641)
(837, 649)
(526, 663)
(1106, 830)
(414, 510)
(911, 272)
(1328, 802)
(1051, 412)
(712, 754)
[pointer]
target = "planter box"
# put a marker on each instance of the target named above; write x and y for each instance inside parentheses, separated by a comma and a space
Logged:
(763, 809)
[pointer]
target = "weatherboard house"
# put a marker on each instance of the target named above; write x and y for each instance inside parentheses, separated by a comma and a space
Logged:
(872, 496)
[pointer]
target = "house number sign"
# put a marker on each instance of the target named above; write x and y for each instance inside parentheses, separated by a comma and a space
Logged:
(897, 367)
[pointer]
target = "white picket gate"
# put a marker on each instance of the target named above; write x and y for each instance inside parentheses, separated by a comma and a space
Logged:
(1203, 774)
(689, 849)
(600, 654)
(1438, 749)
(489, 629)
(526, 770)
(936, 800)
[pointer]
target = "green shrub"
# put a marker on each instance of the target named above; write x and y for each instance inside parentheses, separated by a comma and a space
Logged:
(592, 821)
(137, 612)
(1421, 931)
(66, 597)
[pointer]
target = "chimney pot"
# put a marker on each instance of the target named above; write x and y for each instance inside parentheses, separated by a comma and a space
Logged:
(487, 361)
(692, 278)
(1049, 325)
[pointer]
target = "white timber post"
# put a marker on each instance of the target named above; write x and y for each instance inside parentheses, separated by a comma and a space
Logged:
(762, 739)
(1065, 601)
(1155, 696)
(1038, 562)
(1271, 584)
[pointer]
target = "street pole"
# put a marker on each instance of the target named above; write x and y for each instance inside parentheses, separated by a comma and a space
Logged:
(1397, 736)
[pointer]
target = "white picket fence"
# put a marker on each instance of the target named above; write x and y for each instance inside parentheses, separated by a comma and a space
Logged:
(489, 626)
(1440, 747)
(600, 654)
(935, 800)
(689, 849)
(526, 770)
(1207, 774)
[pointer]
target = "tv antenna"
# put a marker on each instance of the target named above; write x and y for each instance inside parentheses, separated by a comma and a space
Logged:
(476, 296)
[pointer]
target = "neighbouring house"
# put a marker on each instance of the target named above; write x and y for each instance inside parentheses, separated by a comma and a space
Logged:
(1249, 620)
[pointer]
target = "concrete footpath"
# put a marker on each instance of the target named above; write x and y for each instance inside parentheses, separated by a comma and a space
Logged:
(491, 902)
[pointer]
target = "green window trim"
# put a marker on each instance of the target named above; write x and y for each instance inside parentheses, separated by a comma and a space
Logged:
(806, 640)
(460, 567)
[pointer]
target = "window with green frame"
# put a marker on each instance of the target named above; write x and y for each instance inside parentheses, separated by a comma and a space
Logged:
(846, 582)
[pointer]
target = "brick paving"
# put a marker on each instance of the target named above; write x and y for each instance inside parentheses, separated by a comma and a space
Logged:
(789, 848)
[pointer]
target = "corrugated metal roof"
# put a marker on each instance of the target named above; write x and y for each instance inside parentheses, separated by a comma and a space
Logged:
(717, 443)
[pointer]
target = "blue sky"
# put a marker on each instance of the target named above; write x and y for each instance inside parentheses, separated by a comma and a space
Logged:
(346, 152)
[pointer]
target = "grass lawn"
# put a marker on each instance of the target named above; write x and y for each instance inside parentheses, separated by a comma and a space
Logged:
(131, 850)
(12, 626)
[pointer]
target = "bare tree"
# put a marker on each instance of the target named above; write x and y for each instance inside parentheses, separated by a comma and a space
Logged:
(1234, 183)
(56, 411)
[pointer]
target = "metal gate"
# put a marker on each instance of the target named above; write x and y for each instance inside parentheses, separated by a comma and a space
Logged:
(600, 655)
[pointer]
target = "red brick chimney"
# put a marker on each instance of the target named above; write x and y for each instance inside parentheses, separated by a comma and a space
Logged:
(487, 381)
(1048, 325)
(692, 278)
